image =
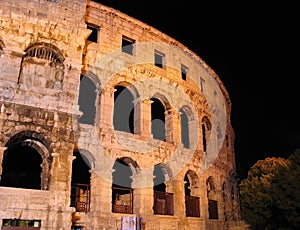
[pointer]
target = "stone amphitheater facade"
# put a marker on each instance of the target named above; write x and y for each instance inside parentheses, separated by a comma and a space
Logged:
(104, 119)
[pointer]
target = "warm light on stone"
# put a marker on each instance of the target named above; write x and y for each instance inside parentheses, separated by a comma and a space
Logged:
(81, 140)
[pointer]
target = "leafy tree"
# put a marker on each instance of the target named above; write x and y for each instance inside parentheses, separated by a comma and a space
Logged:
(257, 198)
(286, 192)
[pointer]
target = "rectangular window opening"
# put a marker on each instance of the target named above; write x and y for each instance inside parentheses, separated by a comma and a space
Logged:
(94, 36)
(159, 59)
(20, 223)
(213, 209)
(202, 82)
(128, 45)
(184, 71)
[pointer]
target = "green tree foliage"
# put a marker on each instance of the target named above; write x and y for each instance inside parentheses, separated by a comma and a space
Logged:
(257, 200)
(286, 192)
(270, 195)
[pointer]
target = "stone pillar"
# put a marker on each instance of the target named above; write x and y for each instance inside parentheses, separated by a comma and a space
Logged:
(97, 106)
(194, 134)
(107, 105)
(143, 193)
(142, 117)
(45, 174)
(220, 205)
(53, 173)
(179, 197)
(204, 202)
(2, 149)
(59, 181)
(70, 160)
(101, 192)
(173, 128)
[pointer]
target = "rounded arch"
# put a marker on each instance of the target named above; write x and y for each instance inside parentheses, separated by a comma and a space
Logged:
(212, 197)
(131, 164)
(88, 98)
(88, 158)
(206, 129)
(205, 121)
(159, 106)
(80, 182)
(193, 178)
(188, 111)
(47, 61)
(32, 152)
(33, 135)
(163, 100)
(210, 183)
(160, 120)
(123, 170)
(125, 96)
(192, 194)
(162, 173)
(132, 89)
(186, 116)
(211, 188)
(46, 51)
(122, 192)
(94, 78)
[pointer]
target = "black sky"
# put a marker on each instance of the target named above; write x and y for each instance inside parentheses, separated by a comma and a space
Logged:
(253, 49)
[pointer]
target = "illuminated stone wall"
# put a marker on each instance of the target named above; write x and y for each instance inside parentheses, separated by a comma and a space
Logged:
(45, 56)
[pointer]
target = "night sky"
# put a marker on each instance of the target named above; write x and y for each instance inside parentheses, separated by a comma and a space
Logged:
(253, 49)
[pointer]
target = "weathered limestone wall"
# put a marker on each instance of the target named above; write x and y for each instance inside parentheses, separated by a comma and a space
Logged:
(44, 51)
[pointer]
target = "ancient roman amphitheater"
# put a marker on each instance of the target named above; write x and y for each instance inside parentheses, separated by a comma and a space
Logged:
(108, 123)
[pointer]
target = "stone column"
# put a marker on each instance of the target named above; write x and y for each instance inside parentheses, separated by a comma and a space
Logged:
(70, 160)
(2, 149)
(101, 192)
(97, 107)
(143, 193)
(173, 133)
(142, 117)
(53, 173)
(220, 205)
(179, 197)
(194, 134)
(60, 180)
(106, 111)
(204, 202)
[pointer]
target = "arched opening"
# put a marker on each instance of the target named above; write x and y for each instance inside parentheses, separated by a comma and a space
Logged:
(42, 66)
(192, 202)
(184, 122)
(206, 129)
(212, 198)
(26, 162)
(80, 183)
(160, 176)
(158, 129)
(122, 192)
(21, 168)
(123, 109)
(87, 100)
(45, 51)
(163, 201)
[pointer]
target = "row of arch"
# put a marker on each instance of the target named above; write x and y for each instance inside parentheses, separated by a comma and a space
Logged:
(27, 163)
(126, 116)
